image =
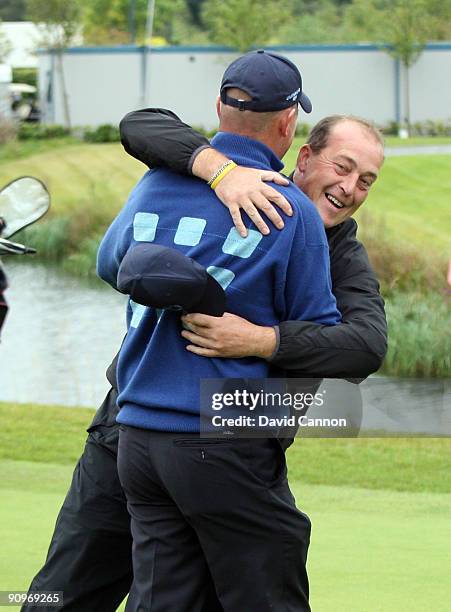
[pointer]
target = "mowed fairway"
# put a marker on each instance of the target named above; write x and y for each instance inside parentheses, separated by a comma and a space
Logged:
(411, 196)
(379, 544)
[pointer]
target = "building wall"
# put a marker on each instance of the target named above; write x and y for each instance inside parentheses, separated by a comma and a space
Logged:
(104, 83)
(430, 85)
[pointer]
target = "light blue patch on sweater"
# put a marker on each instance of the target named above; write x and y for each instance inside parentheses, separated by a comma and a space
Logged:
(241, 247)
(222, 275)
(189, 231)
(145, 226)
(138, 313)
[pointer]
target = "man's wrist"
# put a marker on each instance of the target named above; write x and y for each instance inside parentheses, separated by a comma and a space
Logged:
(265, 342)
(207, 163)
(194, 154)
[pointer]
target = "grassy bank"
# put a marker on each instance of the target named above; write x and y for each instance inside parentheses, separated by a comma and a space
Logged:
(380, 509)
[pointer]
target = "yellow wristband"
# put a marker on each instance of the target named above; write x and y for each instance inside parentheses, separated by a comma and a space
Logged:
(225, 170)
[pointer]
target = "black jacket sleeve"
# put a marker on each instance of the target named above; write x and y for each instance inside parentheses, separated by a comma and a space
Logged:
(356, 347)
(158, 138)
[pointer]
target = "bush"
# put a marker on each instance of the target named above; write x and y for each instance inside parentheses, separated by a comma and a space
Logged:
(418, 342)
(400, 266)
(8, 130)
(83, 262)
(103, 133)
(421, 128)
(41, 131)
(391, 129)
(50, 238)
(26, 75)
(302, 129)
(205, 132)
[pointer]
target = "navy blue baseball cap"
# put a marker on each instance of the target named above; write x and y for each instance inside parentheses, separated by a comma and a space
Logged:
(271, 80)
(161, 277)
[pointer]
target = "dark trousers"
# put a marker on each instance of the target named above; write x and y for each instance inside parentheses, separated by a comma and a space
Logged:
(89, 557)
(217, 509)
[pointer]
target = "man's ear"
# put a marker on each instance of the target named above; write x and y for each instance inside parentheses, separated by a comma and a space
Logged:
(288, 121)
(305, 152)
(218, 107)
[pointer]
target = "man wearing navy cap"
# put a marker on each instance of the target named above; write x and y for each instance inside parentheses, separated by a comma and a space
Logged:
(215, 515)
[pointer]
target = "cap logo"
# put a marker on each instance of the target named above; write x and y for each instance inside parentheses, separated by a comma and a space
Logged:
(294, 95)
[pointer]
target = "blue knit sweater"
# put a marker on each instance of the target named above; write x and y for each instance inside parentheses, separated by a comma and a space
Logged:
(268, 279)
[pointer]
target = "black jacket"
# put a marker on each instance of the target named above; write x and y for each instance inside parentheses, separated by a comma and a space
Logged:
(353, 349)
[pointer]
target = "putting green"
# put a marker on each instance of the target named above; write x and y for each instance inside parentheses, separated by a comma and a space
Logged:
(371, 551)
(377, 551)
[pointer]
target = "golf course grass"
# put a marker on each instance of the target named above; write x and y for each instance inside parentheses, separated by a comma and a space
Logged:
(380, 508)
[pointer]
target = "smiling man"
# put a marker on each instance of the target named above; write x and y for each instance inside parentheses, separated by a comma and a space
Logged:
(338, 166)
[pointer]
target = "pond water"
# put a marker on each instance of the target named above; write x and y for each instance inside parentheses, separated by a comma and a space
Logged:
(60, 335)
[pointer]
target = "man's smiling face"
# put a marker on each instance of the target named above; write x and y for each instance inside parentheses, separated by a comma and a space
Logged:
(337, 178)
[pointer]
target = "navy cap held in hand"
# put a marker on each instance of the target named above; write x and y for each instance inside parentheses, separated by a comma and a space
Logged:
(271, 80)
(161, 277)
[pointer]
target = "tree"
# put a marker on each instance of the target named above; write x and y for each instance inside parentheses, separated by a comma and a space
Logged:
(58, 22)
(243, 24)
(313, 21)
(5, 45)
(107, 21)
(12, 10)
(404, 26)
(195, 10)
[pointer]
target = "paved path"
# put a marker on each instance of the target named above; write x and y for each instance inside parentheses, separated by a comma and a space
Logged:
(418, 150)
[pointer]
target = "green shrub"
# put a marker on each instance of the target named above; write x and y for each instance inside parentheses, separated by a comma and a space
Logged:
(205, 132)
(431, 128)
(50, 238)
(83, 262)
(400, 266)
(420, 128)
(302, 129)
(391, 129)
(26, 75)
(41, 131)
(419, 342)
(103, 133)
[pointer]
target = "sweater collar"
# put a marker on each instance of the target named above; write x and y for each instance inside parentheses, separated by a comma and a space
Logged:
(244, 150)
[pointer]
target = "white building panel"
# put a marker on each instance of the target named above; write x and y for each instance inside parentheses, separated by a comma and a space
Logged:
(104, 84)
(430, 85)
